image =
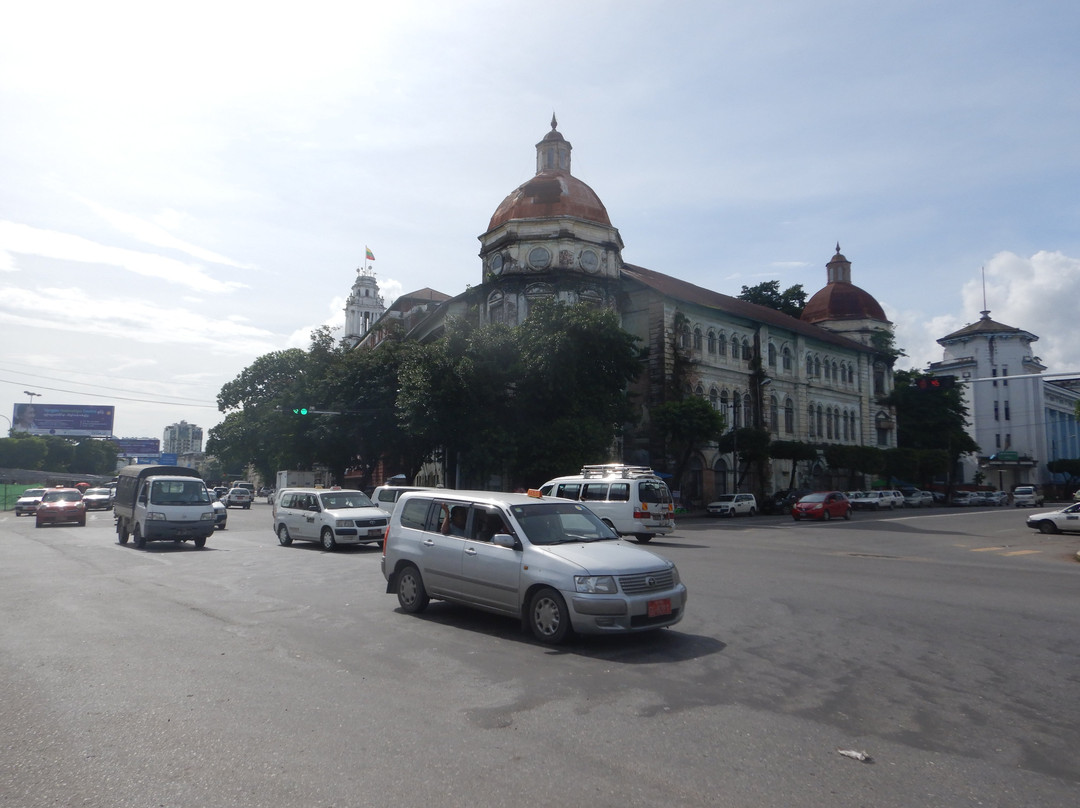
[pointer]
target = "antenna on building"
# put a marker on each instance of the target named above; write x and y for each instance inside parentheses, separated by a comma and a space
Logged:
(985, 312)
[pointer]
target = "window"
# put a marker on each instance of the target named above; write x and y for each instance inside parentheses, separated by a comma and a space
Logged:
(736, 410)
(786, 359)
(748, 417)
(827, 374)
(713, 398)
(712, 341)
(817, 366)
(721, 345)
(414, 513)
(1005, 374)
(835, 372)
(820, 425)
(997, 437)
(994, 374)
(772, 355)
(734, 347)
(746, 350)
(684, 337)
(697, 339)
(1006, 410)
(810, 420)
(774, 414)
(828, 421)
(595, 492)
(809, 366)
(997, 416)
(620, 492)
(789, 416)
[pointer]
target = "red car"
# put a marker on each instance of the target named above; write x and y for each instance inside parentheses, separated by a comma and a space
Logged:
(822, 505)
(61, 505)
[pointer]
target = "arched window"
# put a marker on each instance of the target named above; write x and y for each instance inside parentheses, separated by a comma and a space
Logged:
(835, 371)
(817, 366)
(827, 374)
(734, 347)
(809, 366)
(721, 345)
(786, 359)
(820, 421)
(697, 339)
(684, 337)
(789, 416)
(736, 410)
(746, 349)
(699, 391)
(810, 421)
(712, 341)
(774, 414)
(772, 355)
(713, 398)
(748, 410)
(836, 422)
(828, 419)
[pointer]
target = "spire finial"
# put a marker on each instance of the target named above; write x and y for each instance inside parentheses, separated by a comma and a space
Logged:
(554, 122)
(838, 248)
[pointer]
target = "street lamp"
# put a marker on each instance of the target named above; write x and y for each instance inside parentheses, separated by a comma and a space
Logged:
(32, 395)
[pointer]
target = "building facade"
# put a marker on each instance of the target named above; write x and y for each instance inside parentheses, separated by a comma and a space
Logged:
(182, 438)
(814, 378)
(1020, 419)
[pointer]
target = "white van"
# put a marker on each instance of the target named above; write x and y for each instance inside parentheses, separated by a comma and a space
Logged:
(386, 497)
(328, 516)
(631, 500)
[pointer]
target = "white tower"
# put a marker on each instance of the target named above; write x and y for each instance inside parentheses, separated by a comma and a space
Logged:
(364, 306)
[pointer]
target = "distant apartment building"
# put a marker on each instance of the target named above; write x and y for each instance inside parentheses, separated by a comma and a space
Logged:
(182, 438)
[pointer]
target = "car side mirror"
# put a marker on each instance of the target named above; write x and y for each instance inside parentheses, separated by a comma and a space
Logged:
(504, 540)
(313, 508)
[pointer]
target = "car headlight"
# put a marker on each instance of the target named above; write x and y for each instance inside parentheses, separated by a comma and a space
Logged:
(153, 516)
(208, 515)
(675, 579)
(344, 523)
(595, 584)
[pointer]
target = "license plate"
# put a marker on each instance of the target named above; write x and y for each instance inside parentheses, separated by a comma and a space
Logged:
(658, 608)
(374, 531)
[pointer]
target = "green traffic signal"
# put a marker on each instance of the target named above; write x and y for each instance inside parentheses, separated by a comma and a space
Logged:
(299, 410)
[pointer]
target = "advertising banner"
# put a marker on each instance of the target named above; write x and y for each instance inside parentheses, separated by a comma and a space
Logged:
(63, 419)
(137, 447)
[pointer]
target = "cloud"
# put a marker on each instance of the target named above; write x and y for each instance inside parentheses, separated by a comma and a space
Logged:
(21, 238)
(78, 311)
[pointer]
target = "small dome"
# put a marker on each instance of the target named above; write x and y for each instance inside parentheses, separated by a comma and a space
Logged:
(548, 194)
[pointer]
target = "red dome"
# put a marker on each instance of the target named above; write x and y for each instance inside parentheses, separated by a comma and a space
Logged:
(842, 301)
(551, 193)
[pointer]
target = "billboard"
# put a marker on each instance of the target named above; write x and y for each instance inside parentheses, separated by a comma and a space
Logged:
(63, 419)
(137, 447)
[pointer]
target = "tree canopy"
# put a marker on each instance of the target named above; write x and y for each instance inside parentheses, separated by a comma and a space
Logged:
(767, 293)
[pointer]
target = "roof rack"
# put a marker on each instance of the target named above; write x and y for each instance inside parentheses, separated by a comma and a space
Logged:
(616, 470)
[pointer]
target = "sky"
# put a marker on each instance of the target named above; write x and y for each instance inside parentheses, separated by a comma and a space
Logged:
(185, 187)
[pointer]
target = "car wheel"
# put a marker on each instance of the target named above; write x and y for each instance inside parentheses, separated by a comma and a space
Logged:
(752, 512)
(38, 523)
(1046, 526)
(283, 537)
(548, 617)
(411, 594)
(200, 541)
(796, 518)
(847, 514)
(327, 539)
(82, 522)
(138, 538)
(643, 538)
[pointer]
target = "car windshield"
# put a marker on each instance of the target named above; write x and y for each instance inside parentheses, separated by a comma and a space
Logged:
(61, 496)
(179, 492)
(97, 492)
(338, 500)
(33, 492)
(560, 523)
(813, 498)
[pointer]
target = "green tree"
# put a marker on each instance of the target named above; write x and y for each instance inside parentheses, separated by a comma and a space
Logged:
(791, 301)
(24, 452)
(796, 451)
(686, 425)
(929, 421)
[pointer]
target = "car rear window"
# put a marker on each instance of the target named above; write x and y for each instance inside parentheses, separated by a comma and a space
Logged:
(414, 513)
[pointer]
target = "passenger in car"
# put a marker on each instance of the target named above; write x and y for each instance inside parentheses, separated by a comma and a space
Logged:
(454, 524)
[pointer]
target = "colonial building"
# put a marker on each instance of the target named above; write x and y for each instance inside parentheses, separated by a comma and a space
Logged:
(1020, 419)
(812, 379)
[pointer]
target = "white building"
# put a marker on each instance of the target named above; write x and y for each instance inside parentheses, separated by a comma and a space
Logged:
(182, 438)
(363, 307)
(1020, 419)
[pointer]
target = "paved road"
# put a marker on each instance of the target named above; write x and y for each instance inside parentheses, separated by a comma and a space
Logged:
(943, 644)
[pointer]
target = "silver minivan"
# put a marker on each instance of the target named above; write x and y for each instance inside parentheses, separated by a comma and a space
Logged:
(550, 562)
(328, 516)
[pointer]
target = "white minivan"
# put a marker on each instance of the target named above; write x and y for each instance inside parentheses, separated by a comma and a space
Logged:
(327, 516)
(631, 500)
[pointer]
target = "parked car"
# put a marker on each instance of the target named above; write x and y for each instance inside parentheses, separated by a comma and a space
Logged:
(549, 562)
(873, 501)
(60, 505)
(28, 502)
(1065, 520)
(822, 505)
(998, 498)
(919, 499)
(963, 498)
(98, 499)
(238, 497)
(733, 505)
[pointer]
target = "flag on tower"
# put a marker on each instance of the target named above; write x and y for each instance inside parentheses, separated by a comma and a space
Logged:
(369, 254)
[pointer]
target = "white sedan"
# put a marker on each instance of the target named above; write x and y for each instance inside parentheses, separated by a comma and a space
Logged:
(1067, 520)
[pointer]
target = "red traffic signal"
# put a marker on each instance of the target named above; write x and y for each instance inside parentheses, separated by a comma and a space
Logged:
(936, 382)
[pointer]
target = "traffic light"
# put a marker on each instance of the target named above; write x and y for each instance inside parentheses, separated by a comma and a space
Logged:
(936, 382)
(300, 410)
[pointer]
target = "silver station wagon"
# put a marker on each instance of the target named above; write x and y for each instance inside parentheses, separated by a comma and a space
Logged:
(550, 562)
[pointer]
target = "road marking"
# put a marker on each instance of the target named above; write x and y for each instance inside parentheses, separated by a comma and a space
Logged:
(1021, 552)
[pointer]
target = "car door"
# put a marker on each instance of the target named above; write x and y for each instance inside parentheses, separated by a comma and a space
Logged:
(442, 546)
(491, 574)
